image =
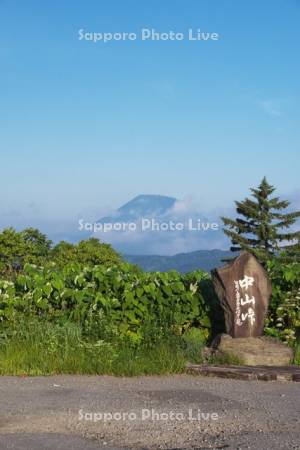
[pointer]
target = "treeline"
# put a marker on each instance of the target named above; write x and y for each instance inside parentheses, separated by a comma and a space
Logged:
(33, 247)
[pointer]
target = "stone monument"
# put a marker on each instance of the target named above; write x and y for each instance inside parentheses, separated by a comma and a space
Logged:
(244, 290)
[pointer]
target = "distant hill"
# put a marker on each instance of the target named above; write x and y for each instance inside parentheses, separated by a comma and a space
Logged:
(182, 262)
(159, 209)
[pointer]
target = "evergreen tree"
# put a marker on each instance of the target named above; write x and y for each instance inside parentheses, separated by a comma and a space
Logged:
(262, 225)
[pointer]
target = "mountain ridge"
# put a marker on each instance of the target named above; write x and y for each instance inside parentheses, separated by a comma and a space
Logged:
(182, 262)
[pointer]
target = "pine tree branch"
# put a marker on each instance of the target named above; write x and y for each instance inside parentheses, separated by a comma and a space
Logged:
(288, 236)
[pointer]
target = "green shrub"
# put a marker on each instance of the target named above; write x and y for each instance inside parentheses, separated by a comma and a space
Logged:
(131, 302)
(284, 313)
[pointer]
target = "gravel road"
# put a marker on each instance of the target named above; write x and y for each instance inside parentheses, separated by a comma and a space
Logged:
(171, 412)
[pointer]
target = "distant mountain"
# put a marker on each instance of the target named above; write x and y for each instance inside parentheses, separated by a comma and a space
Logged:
(141, 206)
(154, 240)
(182, 262)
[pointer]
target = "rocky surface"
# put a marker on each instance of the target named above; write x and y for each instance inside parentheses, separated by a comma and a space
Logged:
(260, 351)
(263, 373)
(44, 413)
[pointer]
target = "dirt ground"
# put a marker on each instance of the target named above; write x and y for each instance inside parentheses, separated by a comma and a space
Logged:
(169, 412)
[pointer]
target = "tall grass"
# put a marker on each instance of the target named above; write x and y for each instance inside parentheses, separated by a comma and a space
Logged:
(38, 347)
(297, 354)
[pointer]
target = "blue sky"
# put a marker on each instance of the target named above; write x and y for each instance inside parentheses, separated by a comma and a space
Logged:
(88, 126)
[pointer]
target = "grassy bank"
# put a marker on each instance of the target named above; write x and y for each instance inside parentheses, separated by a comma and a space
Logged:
(37, 347)
(41, 348)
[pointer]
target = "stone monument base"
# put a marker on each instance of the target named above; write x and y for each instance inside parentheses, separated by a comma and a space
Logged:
(254, 351)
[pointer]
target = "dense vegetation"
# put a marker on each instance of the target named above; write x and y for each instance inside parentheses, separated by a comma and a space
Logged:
(82, 309)
(118, 297)
(284, 312)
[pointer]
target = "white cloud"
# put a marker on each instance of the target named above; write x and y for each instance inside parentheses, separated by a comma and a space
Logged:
(271, 107)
